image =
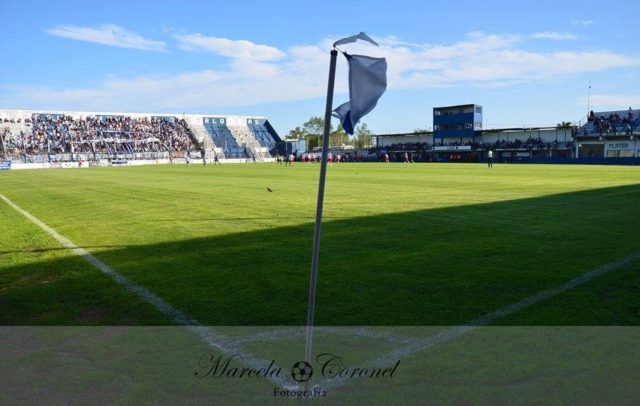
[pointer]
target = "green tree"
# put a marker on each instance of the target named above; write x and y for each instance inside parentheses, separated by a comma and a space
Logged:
(315, 125)
(339, 137)
(297, 134)
(564, 124)
(363, 136)
(314, 129)
(420, 130)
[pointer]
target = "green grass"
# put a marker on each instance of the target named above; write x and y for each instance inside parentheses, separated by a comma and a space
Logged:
(402, 244)
(425, 245)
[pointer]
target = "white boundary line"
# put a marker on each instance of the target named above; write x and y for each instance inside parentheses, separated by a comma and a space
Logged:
(232, 348)
(205, 333)
(452, 333)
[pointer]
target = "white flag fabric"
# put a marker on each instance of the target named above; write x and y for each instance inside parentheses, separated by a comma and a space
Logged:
(354, 38)
(367, 82)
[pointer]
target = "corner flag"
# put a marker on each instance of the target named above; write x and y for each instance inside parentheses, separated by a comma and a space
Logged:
(367, 82)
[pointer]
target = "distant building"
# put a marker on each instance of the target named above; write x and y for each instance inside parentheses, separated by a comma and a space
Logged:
(456, 123)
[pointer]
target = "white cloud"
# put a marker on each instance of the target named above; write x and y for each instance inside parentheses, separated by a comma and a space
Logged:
(557, 36)
(241, 49)
(582, 22)
(261, 74)
(482, 59)
(111, 35)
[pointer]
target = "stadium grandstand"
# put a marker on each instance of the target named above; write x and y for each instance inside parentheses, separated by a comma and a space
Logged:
(41, 137)
(38, 137)
(603, 136)
(508, 145)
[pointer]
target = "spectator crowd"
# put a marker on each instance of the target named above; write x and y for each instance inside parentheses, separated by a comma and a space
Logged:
(112, 135)
(612, 123)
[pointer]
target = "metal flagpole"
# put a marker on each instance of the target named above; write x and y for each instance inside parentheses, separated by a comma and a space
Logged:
(318, 226)
(589, 101)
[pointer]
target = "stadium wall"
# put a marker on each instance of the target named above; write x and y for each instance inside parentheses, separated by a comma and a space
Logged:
(547, 135)
(581, 161)
(138, 162)
(391, 139)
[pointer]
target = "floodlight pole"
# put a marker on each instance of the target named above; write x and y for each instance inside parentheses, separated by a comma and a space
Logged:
(318, 227)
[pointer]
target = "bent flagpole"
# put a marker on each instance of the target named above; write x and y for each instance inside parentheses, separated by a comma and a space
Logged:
(367, 82)
(318, 227)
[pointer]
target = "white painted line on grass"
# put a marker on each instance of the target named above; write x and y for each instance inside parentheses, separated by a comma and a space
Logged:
(453, 333)
(217, 341)
(232, 347)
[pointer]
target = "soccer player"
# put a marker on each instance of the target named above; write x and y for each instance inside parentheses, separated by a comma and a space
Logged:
(490, 159)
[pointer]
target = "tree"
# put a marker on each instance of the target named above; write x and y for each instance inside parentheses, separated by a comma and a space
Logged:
(363, 136)
(297, 134)
(564, 124)
(339, 137)
(314, 129)
(420, 130)
(314, 126)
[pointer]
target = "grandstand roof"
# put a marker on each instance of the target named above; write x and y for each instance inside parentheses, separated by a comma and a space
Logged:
(231, 119)
(405, 134)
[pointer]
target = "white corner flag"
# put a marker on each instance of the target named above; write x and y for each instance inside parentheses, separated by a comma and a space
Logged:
(367, 82)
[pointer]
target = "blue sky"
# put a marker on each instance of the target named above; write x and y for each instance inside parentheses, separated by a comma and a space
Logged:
(528, 63)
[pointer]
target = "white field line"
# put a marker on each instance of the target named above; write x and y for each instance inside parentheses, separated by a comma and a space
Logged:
(217, 341)
(453, 333)
(232, 348)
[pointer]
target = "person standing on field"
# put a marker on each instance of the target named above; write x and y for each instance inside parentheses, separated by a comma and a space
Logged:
(490, 159)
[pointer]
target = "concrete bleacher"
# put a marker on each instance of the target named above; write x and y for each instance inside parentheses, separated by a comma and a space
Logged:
(241, 137)
(261, 133)
(201, 134)
(223, 138)
(617, 122)
(40, 136)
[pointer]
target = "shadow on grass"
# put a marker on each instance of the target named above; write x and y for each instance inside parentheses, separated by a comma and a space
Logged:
(432, 267)
(49, 249)
(231, 219)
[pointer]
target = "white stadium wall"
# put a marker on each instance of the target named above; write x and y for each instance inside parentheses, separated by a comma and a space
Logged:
(387, 140)
(547, 135)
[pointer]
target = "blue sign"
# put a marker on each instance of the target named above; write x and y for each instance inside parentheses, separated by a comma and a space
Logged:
(5, 165)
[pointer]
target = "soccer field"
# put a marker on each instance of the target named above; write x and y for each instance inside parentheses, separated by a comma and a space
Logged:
(420, 244)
